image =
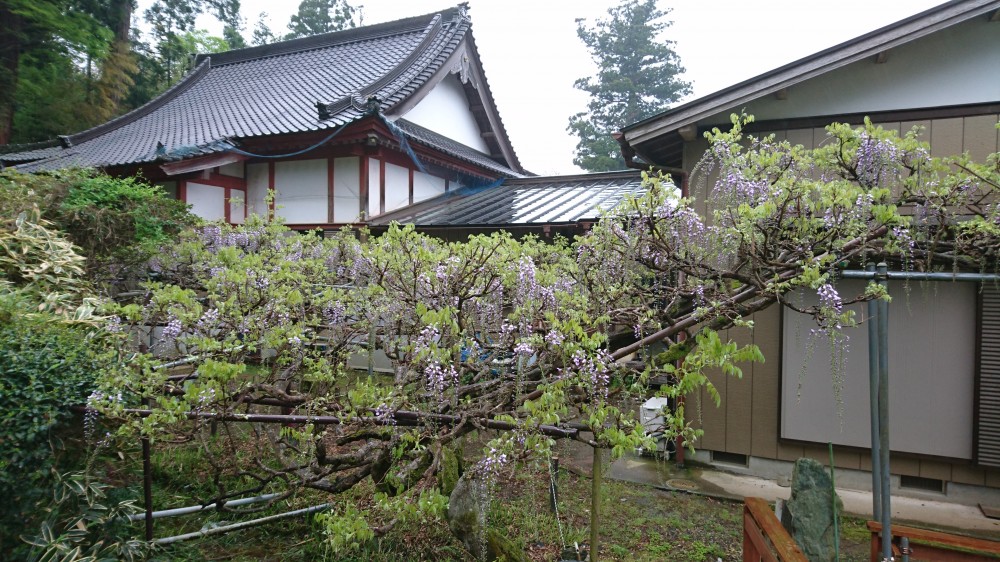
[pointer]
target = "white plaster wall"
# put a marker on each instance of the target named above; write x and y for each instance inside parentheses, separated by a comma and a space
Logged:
(237, 206)
(374, 185)
(346, 182)
(207, 201)
(301, 187)
(397, 187)
(955, 66)
(932, 344)
(257, 182)
(445, 110)
(235, 170)
(426, 186)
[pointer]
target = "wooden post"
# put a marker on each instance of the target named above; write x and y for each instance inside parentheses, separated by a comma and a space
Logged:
(595, 504)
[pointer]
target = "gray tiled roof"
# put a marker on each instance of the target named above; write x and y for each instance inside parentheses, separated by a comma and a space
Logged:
(524, 201)
(270, 90)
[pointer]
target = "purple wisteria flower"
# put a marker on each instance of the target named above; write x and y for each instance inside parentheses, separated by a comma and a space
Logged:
(440, 378)
(523, 348)
(875, 160)
(554, 338)
(492, 463)
(593, 371)
(335, 313)
(209, 319)
(830, 298)
(172, 330)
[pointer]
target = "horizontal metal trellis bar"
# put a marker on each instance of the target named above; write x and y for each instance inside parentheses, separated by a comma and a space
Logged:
(402, 417)
(196, 508)
(242, 525)
(921, 275)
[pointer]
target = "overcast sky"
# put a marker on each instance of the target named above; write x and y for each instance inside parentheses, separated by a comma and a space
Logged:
(531, 54)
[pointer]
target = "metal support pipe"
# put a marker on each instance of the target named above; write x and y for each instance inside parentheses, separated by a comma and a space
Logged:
(873, 382)
(595, 505)
(147, 487)
(401, 417)
(242, 525)
(921, 275)
(553, 485)
(196, 508)
(883, 412)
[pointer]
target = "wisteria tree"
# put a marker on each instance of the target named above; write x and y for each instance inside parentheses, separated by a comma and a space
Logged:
(514, 335)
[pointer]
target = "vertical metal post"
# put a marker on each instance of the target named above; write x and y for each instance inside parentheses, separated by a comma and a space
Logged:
(883, 411)
(371, 350)
(147, 487)
(873, 382)
(904, 547)
(553, 487)
(595, 504)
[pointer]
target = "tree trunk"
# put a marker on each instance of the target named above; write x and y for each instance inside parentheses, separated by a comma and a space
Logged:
(10, 51)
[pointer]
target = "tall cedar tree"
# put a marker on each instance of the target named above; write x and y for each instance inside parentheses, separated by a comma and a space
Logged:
(42, 36)
(321, 16)
(173, 23)
(637, 77)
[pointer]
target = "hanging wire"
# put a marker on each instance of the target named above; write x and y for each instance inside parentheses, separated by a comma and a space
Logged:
(233, 148)
(403, 143)
(228, 146)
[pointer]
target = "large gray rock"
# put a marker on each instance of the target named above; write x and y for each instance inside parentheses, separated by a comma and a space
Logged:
(808, 514)
(467, 518)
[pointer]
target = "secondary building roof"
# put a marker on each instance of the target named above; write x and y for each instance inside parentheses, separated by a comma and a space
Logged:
(659, 139)
(298, 86)
(533, 201)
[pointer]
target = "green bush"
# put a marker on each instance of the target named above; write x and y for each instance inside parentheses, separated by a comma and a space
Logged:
(118, 223)
(46, 366)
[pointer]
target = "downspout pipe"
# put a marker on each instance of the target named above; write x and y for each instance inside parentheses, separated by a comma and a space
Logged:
(628, 153)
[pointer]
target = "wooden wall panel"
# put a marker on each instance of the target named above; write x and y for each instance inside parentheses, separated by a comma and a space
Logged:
(713, 419)
(925, 133)
(800, 136)
(965, 474)
(939, 470)
(766, 383)
(738, 403)
(993, 478)
(979, 136)
(905, 465)
(946, 137)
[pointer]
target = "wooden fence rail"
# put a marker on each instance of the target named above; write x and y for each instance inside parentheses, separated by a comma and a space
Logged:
(934, 546)
(764, 539)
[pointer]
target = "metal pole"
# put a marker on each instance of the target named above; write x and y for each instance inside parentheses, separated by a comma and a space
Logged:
(922, 276)
(883, 412)
(553, 486)
(873, 382)
(147, 487)
(196, 508)
(243, 525)
(595, 505)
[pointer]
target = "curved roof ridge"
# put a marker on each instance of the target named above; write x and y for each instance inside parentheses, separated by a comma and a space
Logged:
(177, 89)
(325, 40)
(431, 35)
